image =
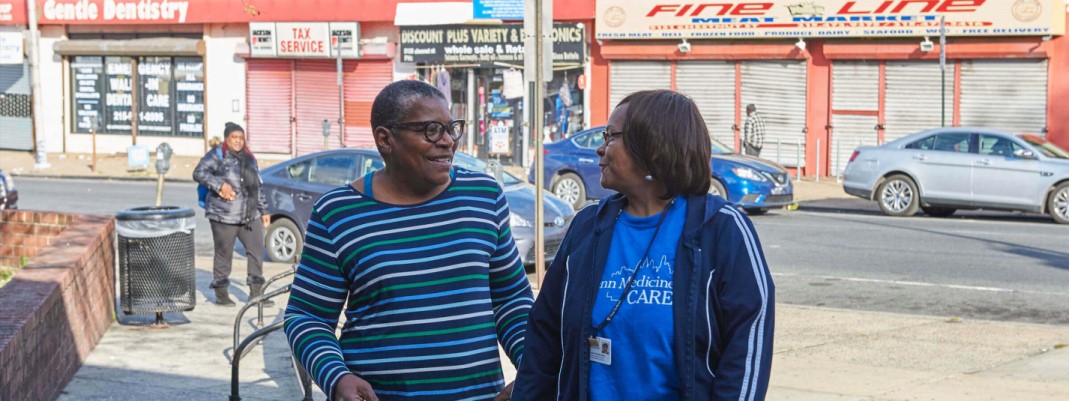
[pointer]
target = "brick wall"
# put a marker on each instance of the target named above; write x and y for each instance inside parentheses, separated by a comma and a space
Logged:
(23, 233)
(58, 306)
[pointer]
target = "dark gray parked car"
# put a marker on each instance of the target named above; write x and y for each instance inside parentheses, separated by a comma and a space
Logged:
(943, 170)
(9, 196)
(291, 187)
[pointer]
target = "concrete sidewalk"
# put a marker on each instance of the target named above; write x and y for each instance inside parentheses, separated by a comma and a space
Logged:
(820, 354)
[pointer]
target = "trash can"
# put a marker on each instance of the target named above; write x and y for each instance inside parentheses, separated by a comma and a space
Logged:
(156, 260)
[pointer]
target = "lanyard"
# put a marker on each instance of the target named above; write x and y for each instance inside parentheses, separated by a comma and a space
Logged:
(631, 279)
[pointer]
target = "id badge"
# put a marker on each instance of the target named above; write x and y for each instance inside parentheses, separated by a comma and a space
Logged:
(601, 350)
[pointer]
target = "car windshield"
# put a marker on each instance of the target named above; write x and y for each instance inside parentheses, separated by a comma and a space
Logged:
(471, 163)
(720, 148)
(1048, 149)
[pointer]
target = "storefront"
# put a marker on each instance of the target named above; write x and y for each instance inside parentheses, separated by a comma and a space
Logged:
(480, 68)
(292, 83)
(828, 76)
(16, 117)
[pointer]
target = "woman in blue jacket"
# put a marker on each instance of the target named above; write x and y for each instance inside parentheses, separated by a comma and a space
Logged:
(659, 292)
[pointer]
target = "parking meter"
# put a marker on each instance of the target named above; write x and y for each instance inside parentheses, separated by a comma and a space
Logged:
(163, 158)
(163, 165)
(326, 132)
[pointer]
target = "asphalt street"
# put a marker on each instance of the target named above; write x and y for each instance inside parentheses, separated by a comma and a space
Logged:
(838, 253)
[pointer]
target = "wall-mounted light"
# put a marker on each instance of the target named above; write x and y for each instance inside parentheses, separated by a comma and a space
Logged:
(684, 47)
(927, 45)
(800, 44)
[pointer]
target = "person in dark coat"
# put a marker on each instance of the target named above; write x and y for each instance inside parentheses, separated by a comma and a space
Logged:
(658, 292)
(236, 209)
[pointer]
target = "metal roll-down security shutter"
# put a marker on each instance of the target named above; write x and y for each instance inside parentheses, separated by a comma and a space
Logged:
(855, 104)
(363, 81)
(912, 101)
(316, 99)
(16, 118)
(778, 89)
(627, 77)
(269, 91)
(1007, 95)
(712, 86)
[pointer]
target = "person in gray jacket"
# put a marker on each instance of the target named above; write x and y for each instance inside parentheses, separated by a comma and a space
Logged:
(235, 206)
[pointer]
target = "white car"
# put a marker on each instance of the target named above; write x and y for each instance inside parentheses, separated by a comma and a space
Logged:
(942, 170)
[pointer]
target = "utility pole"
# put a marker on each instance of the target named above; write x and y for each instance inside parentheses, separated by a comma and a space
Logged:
(538, 68)
(943, 68)
(35, 87)
(341, 96)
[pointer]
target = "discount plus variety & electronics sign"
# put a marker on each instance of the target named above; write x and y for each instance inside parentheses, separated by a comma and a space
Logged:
(712, 19)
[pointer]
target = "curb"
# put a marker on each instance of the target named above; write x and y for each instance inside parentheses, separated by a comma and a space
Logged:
(99, 177)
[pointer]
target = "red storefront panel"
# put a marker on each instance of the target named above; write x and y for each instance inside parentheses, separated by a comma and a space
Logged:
(363, 81)
(269, 90)
(12, 12)
(316, 99)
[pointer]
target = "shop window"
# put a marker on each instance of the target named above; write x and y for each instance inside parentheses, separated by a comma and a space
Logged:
(169, 95)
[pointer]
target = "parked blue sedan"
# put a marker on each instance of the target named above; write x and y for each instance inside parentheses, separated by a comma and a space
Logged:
(756, 185)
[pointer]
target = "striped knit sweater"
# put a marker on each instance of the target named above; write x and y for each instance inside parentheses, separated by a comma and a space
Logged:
(428, 290)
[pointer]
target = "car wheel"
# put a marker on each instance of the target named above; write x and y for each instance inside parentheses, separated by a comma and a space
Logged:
(716, 188)
(938, 211)
(897, 196)
(1058, 203)
(755, 211)
(570, 188)
(284, 241)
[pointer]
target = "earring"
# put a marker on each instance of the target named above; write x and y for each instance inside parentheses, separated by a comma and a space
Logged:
(648, 177)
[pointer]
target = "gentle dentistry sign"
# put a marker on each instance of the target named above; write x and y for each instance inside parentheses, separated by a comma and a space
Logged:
(661, 19)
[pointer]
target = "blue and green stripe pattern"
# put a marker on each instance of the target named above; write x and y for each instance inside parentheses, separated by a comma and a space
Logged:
(428, 291)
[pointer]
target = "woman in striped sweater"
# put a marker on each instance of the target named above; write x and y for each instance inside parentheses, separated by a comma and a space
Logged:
(420, 257)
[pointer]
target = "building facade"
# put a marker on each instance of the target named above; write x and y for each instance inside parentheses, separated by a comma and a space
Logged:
(16, 117)
(828, 76)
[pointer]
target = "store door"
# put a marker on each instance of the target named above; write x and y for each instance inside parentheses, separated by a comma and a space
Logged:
(16, 118)
(315, 100)
(269, 93)
(778, 90)
(855, 108)
(627, 77)
(912, 101)
(1008, 95)
(712, 86)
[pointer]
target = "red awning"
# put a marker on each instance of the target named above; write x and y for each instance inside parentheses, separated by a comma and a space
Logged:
(13, 12)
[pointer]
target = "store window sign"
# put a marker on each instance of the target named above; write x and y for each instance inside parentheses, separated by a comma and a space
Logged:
(115, 11)
(11, 47)
(641, 19)
(485, 44)
(497, 9)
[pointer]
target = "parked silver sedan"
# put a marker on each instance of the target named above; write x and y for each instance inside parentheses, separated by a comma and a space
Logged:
(942, 170)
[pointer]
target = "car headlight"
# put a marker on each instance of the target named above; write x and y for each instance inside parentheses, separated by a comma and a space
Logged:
(749, 174)
(517, 221)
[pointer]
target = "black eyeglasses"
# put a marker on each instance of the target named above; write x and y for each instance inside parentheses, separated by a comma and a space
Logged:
(610, 136)
(433, 130)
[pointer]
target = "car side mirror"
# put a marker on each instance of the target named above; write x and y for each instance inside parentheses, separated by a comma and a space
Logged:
(1024, 154)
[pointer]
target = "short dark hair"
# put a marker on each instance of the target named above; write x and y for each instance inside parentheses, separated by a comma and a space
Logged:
(394, 100)
(665, 133)
(751, 107)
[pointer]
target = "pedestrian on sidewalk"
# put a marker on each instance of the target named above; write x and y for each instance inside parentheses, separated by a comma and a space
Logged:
(660, 292)
(753, 132)
(235, 207)
(420, 257)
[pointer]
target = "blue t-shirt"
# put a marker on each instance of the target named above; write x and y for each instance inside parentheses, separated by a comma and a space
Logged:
(641, 333)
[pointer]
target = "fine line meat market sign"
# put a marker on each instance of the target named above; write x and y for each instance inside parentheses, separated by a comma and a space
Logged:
(661, 19)
(455, 44)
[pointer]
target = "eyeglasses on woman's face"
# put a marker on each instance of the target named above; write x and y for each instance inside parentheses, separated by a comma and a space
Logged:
(610, 136)
(433, 130)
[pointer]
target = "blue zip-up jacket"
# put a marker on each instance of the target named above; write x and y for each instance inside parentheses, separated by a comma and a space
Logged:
(722, 310)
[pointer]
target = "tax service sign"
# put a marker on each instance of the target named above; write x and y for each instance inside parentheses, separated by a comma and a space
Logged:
(674, 19)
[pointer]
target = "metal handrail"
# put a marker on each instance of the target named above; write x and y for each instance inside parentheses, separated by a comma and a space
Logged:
(258, 301)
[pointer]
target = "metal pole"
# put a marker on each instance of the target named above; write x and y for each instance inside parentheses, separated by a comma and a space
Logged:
(838, 159)
(779, 144)
(472, 104)
(94, 130)
(943, 68)
(798, 159)
(539, 117)
(341, 98)
(35, 90)
(159, 190)
(818, 160)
